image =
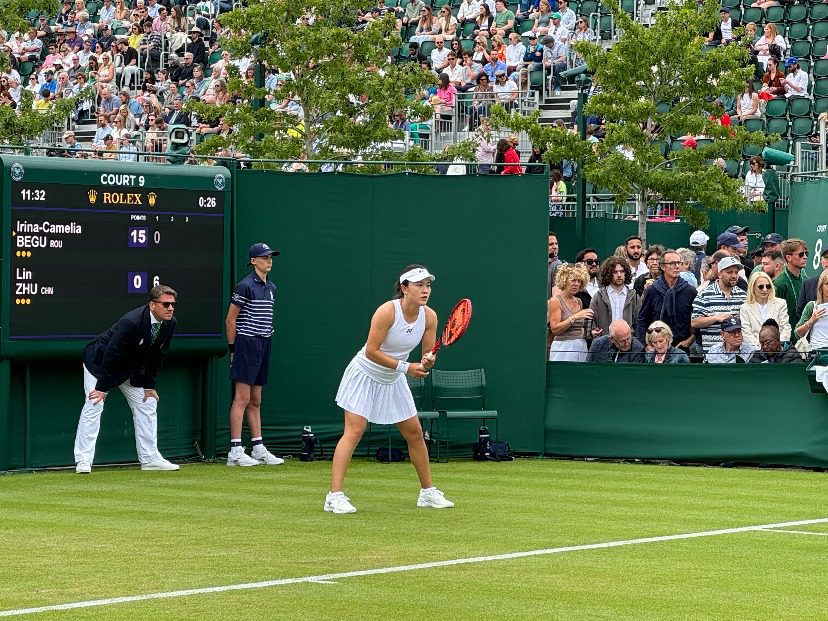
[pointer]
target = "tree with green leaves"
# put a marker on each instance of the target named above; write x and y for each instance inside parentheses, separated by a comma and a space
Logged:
(332, 68)
(658, 84)
(20, 125)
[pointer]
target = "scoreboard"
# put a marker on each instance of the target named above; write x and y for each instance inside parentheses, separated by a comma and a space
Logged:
(84, 242)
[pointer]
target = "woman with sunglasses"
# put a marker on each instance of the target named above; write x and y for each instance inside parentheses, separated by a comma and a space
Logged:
(754, 180)
(427, 28)
(448, 24)
(761, 305)
(659, 346)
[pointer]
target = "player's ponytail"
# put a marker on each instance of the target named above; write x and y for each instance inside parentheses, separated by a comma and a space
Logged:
(398, 285)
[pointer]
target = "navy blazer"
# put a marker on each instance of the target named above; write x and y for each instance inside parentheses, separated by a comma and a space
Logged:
(124, 351)
(807, 294)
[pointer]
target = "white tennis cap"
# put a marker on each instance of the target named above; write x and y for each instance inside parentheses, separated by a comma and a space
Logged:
(416, 275)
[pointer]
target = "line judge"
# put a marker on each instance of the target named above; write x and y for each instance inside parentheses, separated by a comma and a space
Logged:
(128, 356)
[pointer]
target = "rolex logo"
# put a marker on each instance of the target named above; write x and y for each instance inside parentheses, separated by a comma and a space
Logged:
(151, 198)
(93, 196)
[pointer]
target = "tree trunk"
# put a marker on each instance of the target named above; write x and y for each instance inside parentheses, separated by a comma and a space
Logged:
(641, 208)
(306, 115)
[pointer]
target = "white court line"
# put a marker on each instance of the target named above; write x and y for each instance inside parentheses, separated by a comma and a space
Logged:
(795, 532)
(401, 568)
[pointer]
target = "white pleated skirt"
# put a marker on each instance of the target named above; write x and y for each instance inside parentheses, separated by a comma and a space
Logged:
(382, 404)
(568, 351)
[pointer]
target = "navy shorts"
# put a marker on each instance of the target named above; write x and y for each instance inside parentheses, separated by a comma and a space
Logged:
(251, 360)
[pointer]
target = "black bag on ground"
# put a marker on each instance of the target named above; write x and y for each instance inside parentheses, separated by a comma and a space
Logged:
(387, 456)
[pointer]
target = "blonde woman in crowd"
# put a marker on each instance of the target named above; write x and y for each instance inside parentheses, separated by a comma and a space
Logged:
(659, 346)
(566, 315)
(761, 305)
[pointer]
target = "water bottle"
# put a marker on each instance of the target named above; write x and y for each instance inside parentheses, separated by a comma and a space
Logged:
(484, 440)
(308, 445)
(589, 324)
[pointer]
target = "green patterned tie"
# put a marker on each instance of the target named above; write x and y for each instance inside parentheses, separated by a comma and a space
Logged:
(154, 329)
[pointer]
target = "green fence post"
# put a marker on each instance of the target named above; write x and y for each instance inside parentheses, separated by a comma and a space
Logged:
(5, 407)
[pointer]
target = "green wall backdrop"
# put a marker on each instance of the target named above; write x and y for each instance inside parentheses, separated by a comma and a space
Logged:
(809, 218)
(346, 238)
(686, 412)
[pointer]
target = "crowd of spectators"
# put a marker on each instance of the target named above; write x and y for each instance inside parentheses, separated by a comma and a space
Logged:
(681, 305)
(131, 66)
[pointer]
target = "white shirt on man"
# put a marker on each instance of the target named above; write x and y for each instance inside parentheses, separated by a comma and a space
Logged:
(800, 79)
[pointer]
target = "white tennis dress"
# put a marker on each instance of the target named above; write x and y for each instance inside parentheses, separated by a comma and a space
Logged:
(375, 392)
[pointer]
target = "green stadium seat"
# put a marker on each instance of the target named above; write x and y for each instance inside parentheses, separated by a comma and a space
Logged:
(802, 126)
(798, 31)
(736, 15)
(820, 105)
(664, 107)
(390, 4)
(774, 14)
(782, 144)
(799, 107)
(819, 30)
(796, 13)
(526, 26)
(731, 4)
(755, 125)
(215, 56)
(588, 7)
(426, 47)
(440, 3)
(467, 389)
(468, 29)
(628, 6)
(782, 29)
(777, 126)
(777, 108)
(805, 65)
(536, 79)
(92, 7)
(25, 69)
(121, 31)
(732, 167)
(750, 14)
(821, 68)
(467, 44)
(820, 87)
(801, 49)
(818, 12)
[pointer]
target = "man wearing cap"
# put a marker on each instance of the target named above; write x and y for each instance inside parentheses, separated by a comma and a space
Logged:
(809, 287)
(73, 40)
(554, 58)
(196, 46)
(106, 39)
(731, 348)
(788, 284)
(504, 19)
(741, 251)
(533, 58)
(669, 299)
(771, 351)
(698, 244)
(718, 301)
(724, 30)
(796, 80)
(557, 29)
(249, 329)
(72, 148)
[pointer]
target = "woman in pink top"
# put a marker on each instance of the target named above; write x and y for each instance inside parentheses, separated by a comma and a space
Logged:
(443, 101)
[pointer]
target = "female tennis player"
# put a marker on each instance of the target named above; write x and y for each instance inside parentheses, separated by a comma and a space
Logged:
(374, 388)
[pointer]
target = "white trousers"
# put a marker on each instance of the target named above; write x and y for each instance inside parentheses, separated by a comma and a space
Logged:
(144, 416)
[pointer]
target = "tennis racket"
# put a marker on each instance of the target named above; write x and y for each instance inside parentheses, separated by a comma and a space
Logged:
(456, 325)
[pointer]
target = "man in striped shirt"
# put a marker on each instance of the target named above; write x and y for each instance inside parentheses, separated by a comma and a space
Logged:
(249, 328)
(718, 302)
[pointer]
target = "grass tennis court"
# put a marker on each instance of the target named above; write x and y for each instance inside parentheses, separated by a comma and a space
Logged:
(66, 538)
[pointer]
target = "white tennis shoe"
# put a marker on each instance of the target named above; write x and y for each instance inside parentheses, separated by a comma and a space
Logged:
(263, 456)
(160, 465)
(434, 498)
(83, 467)
(237, 457)
(338, 502)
